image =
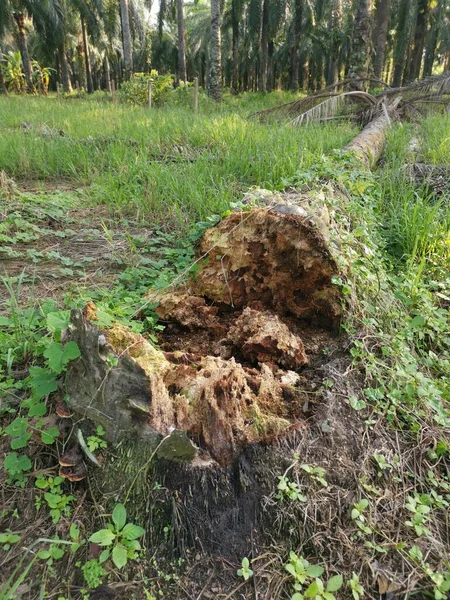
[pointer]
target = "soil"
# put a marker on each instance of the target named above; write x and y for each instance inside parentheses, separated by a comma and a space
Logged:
(82, 247)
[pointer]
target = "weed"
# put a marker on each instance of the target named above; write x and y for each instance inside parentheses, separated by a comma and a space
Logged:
(245, 572)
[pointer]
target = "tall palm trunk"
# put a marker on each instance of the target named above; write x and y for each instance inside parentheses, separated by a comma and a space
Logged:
(126, 38)
(235, 47)
(380, 31)
(19, 18)
(423, 11)
(295, 57)
(107, 73)
(432, 38)
(181, 42)
(215, 78)
(401, 42)
(264, 47)
(360, 54)
(87, 58)
(64, 65)
(3, 89)
(270, 73)
(335, 27)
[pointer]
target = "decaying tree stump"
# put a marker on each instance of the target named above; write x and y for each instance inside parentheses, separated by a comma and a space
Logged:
(225, 383)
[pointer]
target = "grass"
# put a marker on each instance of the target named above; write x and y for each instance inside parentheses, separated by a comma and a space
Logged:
(164, 163)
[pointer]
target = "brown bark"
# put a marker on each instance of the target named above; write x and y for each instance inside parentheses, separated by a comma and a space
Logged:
(380, 31)
(107, 73)
(19, 18)
(3, 89)
(335, 28)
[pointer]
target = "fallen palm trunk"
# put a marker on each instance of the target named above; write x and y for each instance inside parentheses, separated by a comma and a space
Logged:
(368, 146)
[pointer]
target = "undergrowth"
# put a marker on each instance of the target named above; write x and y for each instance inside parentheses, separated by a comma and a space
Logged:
(395, 257)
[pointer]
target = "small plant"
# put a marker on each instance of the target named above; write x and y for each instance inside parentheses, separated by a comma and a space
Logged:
(54, 553)
(135, 90)
(358, 516)
(16, 466)
(245, 570)
(97, 441)
(316, 473)
(120, 538)
(58, 502)
(288, 489)
(93, 573)
(419, 506)
(356, 588)
(303, 572)
(7, 539)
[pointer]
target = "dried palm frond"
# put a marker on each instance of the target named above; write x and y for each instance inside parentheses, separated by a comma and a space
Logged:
(328, 109)
(361, 106)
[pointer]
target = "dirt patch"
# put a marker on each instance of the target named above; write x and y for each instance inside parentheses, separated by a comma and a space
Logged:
(54, 241)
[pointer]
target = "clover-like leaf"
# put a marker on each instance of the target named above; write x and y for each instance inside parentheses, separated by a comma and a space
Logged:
(335, 583)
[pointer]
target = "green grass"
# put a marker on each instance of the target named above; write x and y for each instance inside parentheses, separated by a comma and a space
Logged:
(172, 165)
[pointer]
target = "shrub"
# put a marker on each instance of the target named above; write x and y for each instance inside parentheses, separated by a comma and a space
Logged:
(135, 91)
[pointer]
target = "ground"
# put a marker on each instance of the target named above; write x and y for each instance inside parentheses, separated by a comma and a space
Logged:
(98, 204)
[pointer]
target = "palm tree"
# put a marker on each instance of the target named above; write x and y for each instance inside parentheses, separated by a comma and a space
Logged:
(380, 32)
(126, 38)
(360, 55)
(215, 77)
(181, 42)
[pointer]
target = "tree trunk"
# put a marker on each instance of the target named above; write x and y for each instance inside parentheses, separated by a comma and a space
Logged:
(270, 69)
(181, 42)
(432, 39)
(87, 59)
(3, 89)
(264, 47)
(215, 78)
(295, 62)
(235, 47)
(360, 53)
(107, 73)
(401, 43)
(65, 76)
(381, 24)
(126, 38)
(335, 28)
(19, 18)
(423, 12)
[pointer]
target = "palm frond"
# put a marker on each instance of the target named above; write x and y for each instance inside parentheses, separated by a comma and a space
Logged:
(329, 109)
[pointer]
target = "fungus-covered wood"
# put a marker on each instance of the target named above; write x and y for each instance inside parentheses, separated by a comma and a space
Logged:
(77, 472)
(260, 307)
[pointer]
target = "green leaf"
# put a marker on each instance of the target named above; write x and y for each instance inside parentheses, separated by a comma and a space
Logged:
(335, 583)
(17, 427)
(20, 442)
(44, 554)
(314, 571)
(16, 464)
(74, 532)
(119, 556)
(312, 590)
(38, 409)
(58, 355)
(42, 382)
(103, 537)
(356, 403)
(132, 532)
(57, 321)
(104, 555)
(245, 563)
(119, 516)
(417, 322)
(49, 435)
(5, 322)
(297, 596)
